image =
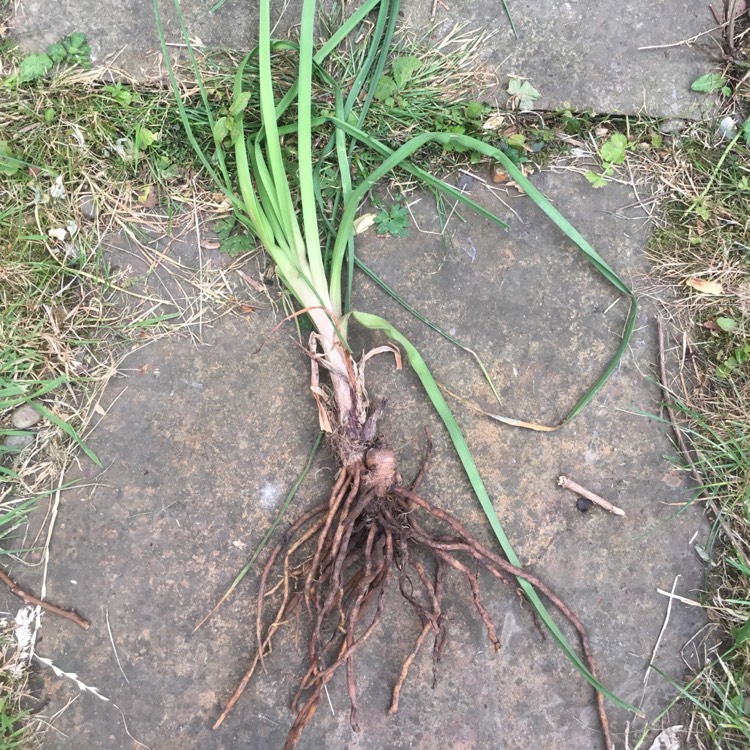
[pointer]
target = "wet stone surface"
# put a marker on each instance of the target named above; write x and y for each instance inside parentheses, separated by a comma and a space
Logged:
(201, 443)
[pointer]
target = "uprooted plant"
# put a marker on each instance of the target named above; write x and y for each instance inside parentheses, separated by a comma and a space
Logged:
(338, 559)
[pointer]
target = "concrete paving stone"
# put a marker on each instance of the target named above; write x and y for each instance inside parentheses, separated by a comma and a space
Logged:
(202, 442)
(579, 54)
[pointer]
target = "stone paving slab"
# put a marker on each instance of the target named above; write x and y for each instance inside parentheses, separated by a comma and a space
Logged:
(201, 443)
(579, 54)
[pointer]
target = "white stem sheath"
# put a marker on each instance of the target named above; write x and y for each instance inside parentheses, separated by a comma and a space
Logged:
(335, 355)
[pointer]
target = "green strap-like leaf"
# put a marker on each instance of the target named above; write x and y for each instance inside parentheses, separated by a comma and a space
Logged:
(68, 430)
(373, 322)
(400, 158)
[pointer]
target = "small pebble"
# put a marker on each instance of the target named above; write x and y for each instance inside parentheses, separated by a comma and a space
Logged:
(584, 504)
(499, 174)
(18, 442)
(728, 128)
(673, 126)
(24, 417)
(465, 182)
(88, 208)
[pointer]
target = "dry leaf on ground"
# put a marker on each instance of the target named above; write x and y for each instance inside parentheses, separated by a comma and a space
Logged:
(706, 287)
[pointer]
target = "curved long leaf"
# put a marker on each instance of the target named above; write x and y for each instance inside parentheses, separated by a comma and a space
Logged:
(400, 158)
(376, 323)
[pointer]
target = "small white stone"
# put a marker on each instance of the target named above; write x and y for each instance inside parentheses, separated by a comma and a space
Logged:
(728, 128)
(17, 443)
(88, 207)
(270, 496)
(673, 126)
(24, 417)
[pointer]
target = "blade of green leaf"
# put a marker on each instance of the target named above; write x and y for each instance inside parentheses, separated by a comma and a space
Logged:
(304, 148)
(376, 323)
(424, 319)
(68, 430)
(400, 158)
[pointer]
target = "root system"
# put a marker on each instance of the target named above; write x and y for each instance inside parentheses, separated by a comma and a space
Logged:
(338, 560)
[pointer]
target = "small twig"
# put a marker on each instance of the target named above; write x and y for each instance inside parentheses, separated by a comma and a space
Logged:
(731, 17)
(251, 281)
(417, 483)
(569, 484)
(114, 648)
(681, 443)
(125, 725)
(31, 599)
(683, 599)
(688, 42)
(661, 633)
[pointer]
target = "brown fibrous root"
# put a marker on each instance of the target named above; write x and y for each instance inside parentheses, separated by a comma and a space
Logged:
(337, 561)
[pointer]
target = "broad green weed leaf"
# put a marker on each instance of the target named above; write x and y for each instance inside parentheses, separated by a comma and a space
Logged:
(221, 129)
(746, 131)
(145, 138)
(385, 88)
(238, 244)
(404, 68)
(703, 211)
(118, 93)
(726, 324)
(78, 49)
(33, 67)
(523, 93)
(615, 149)
(595, 179)
(57, 52)
(76, 42)
(224, 227)
(239, 104)
(529, 91)
(517, 140)
(6, 155)
(475, 110)
(708, 83)
(394, 221)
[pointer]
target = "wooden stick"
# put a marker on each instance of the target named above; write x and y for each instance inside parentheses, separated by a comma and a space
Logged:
(569, 484)
(31, 599)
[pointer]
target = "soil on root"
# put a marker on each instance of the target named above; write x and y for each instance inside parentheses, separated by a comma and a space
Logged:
(337, 561)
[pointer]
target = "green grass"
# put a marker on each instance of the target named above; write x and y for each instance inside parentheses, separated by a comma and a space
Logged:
(16, 731)
(720, 694)
(704, 238)
(63, 322)
(69, 138)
